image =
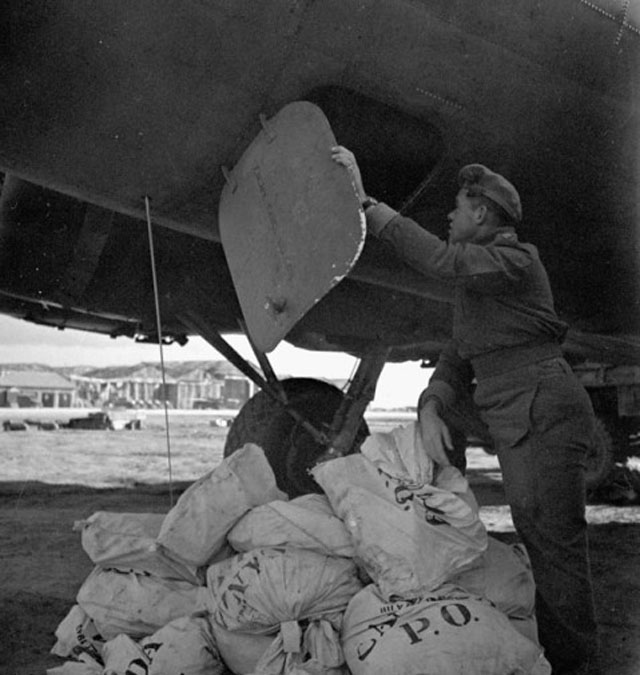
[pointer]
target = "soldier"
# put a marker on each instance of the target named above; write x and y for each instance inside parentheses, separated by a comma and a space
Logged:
(506, 338)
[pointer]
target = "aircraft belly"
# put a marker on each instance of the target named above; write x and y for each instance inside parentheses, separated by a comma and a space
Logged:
(109, 102)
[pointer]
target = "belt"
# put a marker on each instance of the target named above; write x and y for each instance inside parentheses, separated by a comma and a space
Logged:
(504, 360)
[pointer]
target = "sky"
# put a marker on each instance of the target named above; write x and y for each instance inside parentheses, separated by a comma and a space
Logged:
(22, 342)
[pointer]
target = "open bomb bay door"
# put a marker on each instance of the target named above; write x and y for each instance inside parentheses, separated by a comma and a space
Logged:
(290, 222)
(292, 227)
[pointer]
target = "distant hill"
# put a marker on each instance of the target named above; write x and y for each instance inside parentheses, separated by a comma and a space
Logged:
(20, 367)
(174, 369)
(65, 370)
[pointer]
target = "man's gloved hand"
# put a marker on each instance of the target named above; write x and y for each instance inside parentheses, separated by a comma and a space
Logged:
(434, 433)
(346, 158)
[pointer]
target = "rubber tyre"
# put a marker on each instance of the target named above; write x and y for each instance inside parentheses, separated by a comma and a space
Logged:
(600, 458)
(289, 449)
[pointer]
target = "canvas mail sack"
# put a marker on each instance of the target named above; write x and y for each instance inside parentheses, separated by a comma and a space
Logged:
(195, 529)
(127, 541)
(307, 522)
(410, 536)
(448, 631)
(294, 595)
(134, 604)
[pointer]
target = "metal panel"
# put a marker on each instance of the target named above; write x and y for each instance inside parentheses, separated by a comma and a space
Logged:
(290, 222)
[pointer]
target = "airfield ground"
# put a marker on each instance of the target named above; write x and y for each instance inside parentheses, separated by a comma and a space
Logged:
(52, 480)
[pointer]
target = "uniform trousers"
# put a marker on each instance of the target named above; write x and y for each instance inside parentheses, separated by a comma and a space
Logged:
(541, 420)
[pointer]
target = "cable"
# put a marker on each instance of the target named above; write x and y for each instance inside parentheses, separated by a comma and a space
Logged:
(156, 297)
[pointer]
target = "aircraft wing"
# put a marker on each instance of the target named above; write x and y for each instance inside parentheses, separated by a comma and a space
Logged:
(110, 106)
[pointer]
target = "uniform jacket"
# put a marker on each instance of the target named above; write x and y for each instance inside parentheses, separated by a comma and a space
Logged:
(503, 301)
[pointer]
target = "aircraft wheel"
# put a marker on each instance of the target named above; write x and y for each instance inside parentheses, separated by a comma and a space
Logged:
(601, 456)
(289, 448)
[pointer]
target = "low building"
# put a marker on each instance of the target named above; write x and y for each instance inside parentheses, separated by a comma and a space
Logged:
(124, 386)
(186, 385)
(193, 382)
(36, 388)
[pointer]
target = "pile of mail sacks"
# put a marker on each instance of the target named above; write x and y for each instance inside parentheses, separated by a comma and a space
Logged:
(389, 571)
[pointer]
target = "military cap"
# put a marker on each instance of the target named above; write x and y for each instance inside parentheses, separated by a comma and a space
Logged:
(493, 186)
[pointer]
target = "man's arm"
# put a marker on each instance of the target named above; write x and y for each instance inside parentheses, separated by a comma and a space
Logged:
(450, 381)
(489, 269)
(451, 378)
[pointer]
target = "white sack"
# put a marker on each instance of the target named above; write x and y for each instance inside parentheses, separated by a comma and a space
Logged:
(449, 479)
(134, 604)
(306, 522)
(196, 527)
(185, 646)
(76, 668)
(400, 453)
(241, 651)
(410, 537)
(123, 656)
(316, 651)
(127, 541)
(320, 651)
(77, 634)
(259, 590)
(448, 631)
(504, 576)
(526, 626)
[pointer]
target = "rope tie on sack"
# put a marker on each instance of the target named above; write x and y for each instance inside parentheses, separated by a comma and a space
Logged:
(291, 637)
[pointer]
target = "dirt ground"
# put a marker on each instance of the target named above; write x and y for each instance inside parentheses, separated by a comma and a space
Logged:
(42, 564)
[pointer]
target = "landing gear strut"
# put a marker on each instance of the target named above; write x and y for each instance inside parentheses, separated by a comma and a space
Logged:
(290, 446)
(299, 421)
